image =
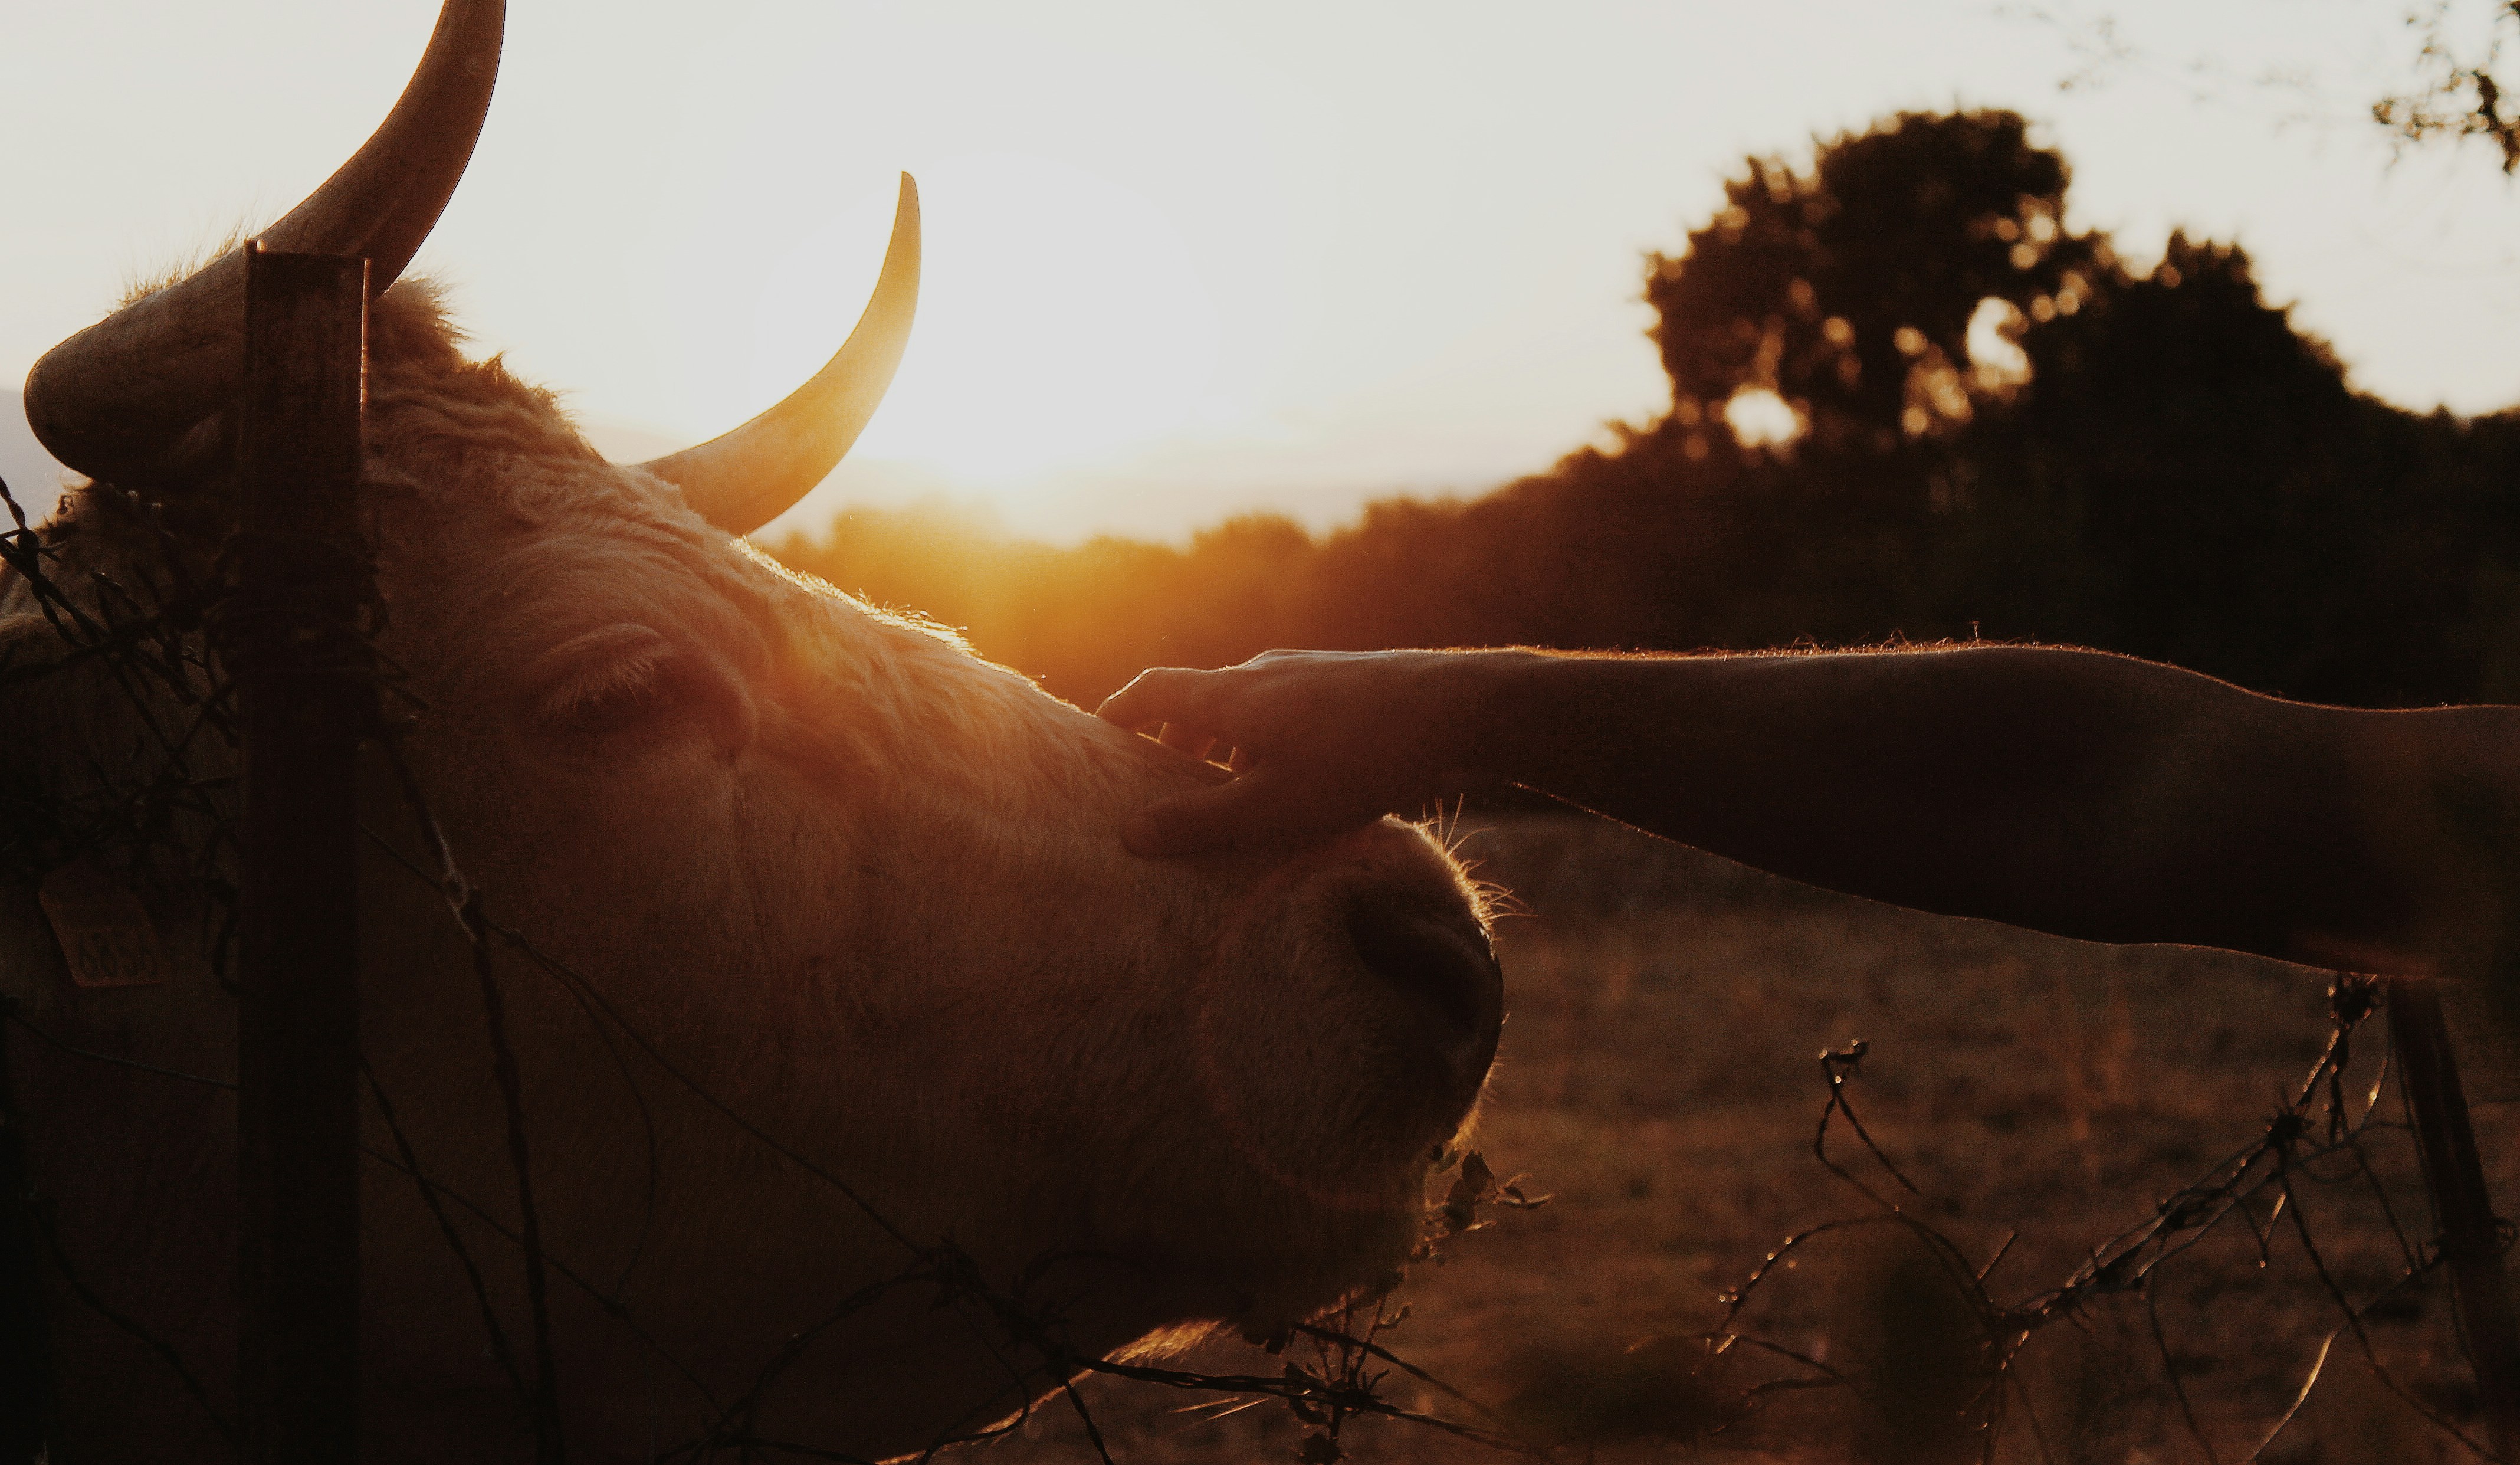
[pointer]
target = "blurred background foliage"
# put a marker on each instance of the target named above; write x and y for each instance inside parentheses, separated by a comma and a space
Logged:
(1908, 403)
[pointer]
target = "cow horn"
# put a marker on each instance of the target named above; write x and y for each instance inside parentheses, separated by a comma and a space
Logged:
(742, 479)
(115, 393)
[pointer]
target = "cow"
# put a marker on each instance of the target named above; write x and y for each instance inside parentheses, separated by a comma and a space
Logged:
(821, 958)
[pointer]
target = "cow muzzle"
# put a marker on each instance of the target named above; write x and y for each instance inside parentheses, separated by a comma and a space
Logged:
(1438, 961)
(1349, 1019)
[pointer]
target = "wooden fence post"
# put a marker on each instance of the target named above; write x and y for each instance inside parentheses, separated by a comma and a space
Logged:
(26, 1367)
(304, 702)
(2471, 1241)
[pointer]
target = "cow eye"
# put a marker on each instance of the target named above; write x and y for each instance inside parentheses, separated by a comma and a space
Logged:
(627, 678)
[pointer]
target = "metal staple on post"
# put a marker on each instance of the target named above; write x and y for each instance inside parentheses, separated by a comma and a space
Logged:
(2472, 1236)
(305, 699)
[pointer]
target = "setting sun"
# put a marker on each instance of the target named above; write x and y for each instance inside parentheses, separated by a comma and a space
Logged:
(1185, 261)
(548, 915)
(1061, 316)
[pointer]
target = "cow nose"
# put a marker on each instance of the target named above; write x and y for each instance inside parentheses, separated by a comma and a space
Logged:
(1441, 963)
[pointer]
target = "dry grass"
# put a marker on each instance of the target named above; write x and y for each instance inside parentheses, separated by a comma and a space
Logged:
(1658, 1076)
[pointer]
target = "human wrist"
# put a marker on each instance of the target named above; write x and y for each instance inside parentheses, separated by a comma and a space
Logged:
(1489, 704)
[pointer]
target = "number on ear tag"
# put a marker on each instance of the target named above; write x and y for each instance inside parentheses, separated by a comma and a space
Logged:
(106, 935)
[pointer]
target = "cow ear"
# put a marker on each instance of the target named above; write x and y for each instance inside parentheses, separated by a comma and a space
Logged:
(629, 679)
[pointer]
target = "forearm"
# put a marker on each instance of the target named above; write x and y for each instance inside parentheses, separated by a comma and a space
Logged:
(2088, 795)
(2074, 791)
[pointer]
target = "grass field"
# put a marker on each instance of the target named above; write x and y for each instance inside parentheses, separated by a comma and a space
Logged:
(1659, 1078)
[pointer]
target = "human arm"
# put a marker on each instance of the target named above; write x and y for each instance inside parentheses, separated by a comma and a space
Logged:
(2088, 795)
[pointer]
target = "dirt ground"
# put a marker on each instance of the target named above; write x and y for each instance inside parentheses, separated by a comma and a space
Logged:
(1660, 1080)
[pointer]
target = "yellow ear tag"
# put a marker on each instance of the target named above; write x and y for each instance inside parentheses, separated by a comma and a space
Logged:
(106, 935)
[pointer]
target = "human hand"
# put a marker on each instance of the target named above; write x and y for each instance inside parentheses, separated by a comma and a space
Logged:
(1320, 742)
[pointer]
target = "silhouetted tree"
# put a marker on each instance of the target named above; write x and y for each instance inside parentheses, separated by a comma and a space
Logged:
(2158, 463)
(2465, 77)
(2186, 476)
(1848, 290)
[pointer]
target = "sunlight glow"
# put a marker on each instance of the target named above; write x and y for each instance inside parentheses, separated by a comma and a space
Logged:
(1996, 358)
(1759, 418)
(1187, 260)
(1061, 317)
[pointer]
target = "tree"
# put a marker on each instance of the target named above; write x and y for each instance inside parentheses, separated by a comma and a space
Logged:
(2157, 463)
(1848, 290)
(2465, 81)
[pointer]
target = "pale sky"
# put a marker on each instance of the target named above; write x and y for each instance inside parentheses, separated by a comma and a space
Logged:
(1187, 258)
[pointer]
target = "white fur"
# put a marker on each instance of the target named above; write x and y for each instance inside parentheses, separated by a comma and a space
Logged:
(859, 885)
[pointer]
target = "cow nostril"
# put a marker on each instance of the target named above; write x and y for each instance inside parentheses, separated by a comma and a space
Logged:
(1443, 965)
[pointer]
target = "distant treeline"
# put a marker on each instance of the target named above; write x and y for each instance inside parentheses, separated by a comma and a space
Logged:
(1996, 429)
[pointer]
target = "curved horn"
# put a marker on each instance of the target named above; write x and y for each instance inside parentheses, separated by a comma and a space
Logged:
(122, 389)
(742, 479)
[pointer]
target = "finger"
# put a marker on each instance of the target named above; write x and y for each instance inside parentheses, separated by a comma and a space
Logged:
(1181, 737)
(1251, 812)
(1154, 696)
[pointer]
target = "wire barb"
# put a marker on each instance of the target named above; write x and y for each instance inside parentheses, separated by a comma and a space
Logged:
(150, 630)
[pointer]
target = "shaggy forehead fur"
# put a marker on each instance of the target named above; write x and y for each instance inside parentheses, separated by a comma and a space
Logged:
(481, 482)
(885, 913)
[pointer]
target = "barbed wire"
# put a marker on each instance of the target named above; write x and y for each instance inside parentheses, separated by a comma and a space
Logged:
(2319, 1136)
(152, 631)
(159, 642)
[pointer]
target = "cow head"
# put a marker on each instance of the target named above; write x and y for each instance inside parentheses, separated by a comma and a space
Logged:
(826, 951)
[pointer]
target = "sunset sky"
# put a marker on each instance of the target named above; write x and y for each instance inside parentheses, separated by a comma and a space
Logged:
(1187, 258)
